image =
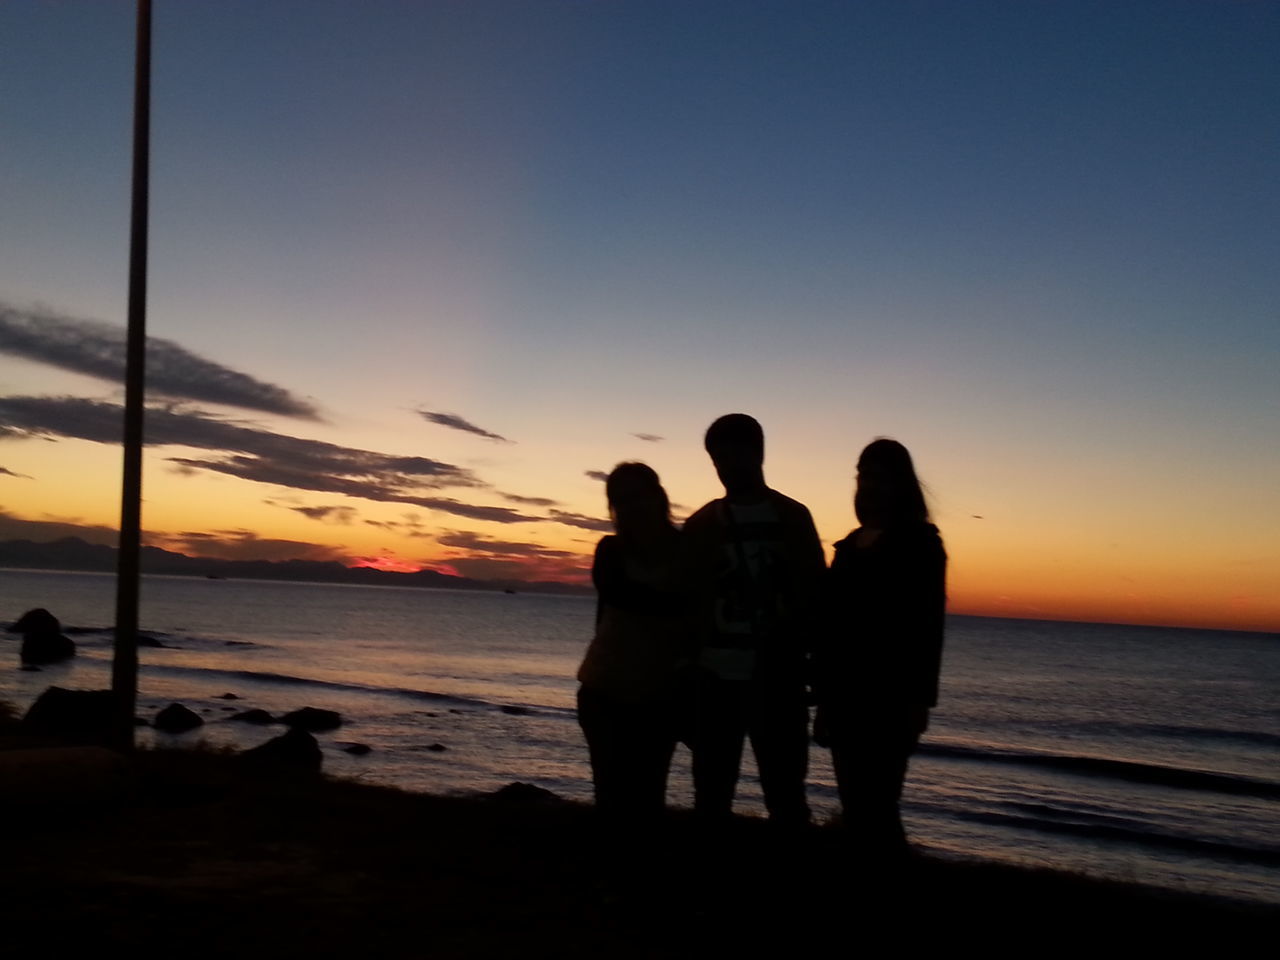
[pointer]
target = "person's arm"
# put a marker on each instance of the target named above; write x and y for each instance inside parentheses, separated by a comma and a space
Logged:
(924, 609)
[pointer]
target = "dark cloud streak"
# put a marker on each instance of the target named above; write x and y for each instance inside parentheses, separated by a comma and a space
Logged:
(455, 422)
(251, 453)
(97, 349)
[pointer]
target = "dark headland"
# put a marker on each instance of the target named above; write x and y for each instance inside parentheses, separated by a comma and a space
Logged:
(189, 853)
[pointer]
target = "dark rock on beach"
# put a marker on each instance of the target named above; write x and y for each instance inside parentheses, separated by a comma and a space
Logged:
(313, 719)
(519, 794)
(515, 711)
(293, 753)
(42, 639)
(227, 696)
(259, 717)
(356, 749)
(79, 716)
(437, 748)
(175, 718)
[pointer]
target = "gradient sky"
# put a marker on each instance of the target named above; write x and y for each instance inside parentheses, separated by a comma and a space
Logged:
(1036, 242)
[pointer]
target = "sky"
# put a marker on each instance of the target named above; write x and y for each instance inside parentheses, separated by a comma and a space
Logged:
(421, 271)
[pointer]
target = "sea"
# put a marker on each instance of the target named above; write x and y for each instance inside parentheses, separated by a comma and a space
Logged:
(1141, 754)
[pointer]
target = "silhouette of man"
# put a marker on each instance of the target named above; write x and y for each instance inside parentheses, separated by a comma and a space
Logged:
(764, 561)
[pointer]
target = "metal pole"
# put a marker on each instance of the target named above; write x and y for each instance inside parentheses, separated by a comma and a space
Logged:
(124, 664)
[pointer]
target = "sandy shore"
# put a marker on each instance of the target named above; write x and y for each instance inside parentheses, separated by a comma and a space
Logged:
(185, 852)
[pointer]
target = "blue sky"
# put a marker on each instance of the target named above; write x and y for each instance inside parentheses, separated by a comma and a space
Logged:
(1034, 241)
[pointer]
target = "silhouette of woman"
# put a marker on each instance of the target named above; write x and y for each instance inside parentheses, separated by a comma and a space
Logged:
(878, 663)
(631, 697)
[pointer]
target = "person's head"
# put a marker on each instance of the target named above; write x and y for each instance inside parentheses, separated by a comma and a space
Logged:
(637, 503)
(888, 492)
(735, 443)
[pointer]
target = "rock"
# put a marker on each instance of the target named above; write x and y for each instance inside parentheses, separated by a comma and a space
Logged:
(175, 718)
(437, 748)
(525, 795)
(313, 719)
(82, 716)
(42, 639)
(260, 717)
(227, 696)
(356, 749)
(293, 753)
(515, 711)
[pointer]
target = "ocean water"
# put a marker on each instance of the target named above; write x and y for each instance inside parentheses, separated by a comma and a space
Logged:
(1137, 753)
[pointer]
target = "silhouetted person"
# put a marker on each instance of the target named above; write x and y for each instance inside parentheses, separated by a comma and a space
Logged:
(878, 663)
(634, 686)
(42, 639)
(765, 565)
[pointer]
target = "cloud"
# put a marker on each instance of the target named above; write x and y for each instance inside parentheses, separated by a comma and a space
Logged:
(530, 501)
(410, 526)
(596, 475)
(648, 437)
(578, 520)
(455, 422)
(97, 349)
(488, 559)
(244, 545)
(329, 514)
(6, 472)
(251, 453)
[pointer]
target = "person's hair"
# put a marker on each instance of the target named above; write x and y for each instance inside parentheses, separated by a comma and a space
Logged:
(735, 429)
(641, 473)
(898, 497)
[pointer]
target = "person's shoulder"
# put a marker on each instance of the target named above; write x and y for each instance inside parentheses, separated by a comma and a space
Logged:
(789, 508)
(607, 546)
(706, 515)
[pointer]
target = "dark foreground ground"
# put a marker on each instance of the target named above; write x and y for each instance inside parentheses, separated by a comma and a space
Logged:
(185, 853)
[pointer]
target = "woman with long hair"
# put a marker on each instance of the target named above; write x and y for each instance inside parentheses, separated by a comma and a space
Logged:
(879, 661)
(630, 700)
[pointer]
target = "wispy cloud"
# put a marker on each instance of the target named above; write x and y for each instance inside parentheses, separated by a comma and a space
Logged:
(530, 501)
(6, 472)
(584, 522)
(410, 526)
(487, 558)
(455, 422)
(597, 475)
(97, 349)
(330, 514)
(251, 453)
(648, 437)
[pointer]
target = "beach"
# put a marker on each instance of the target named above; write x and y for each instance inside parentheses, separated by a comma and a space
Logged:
(183, 852)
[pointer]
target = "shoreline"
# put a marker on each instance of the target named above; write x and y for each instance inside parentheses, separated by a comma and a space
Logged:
(177, 848)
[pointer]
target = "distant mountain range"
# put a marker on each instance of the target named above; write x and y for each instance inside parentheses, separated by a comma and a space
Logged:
(72, 553)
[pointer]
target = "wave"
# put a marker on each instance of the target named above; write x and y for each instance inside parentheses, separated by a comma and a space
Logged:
(1129, 770)
(285, 679)
(1177, 731)
(1119, 832)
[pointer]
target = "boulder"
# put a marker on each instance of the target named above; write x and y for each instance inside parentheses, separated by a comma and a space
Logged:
(519, 794)
(313, 719)
(175, 718)
(42, 639)
(437, 748)
(293, 753)
(356, 749)
(82, 716)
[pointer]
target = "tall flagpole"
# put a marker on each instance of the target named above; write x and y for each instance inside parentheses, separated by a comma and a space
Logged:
(124, 665)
